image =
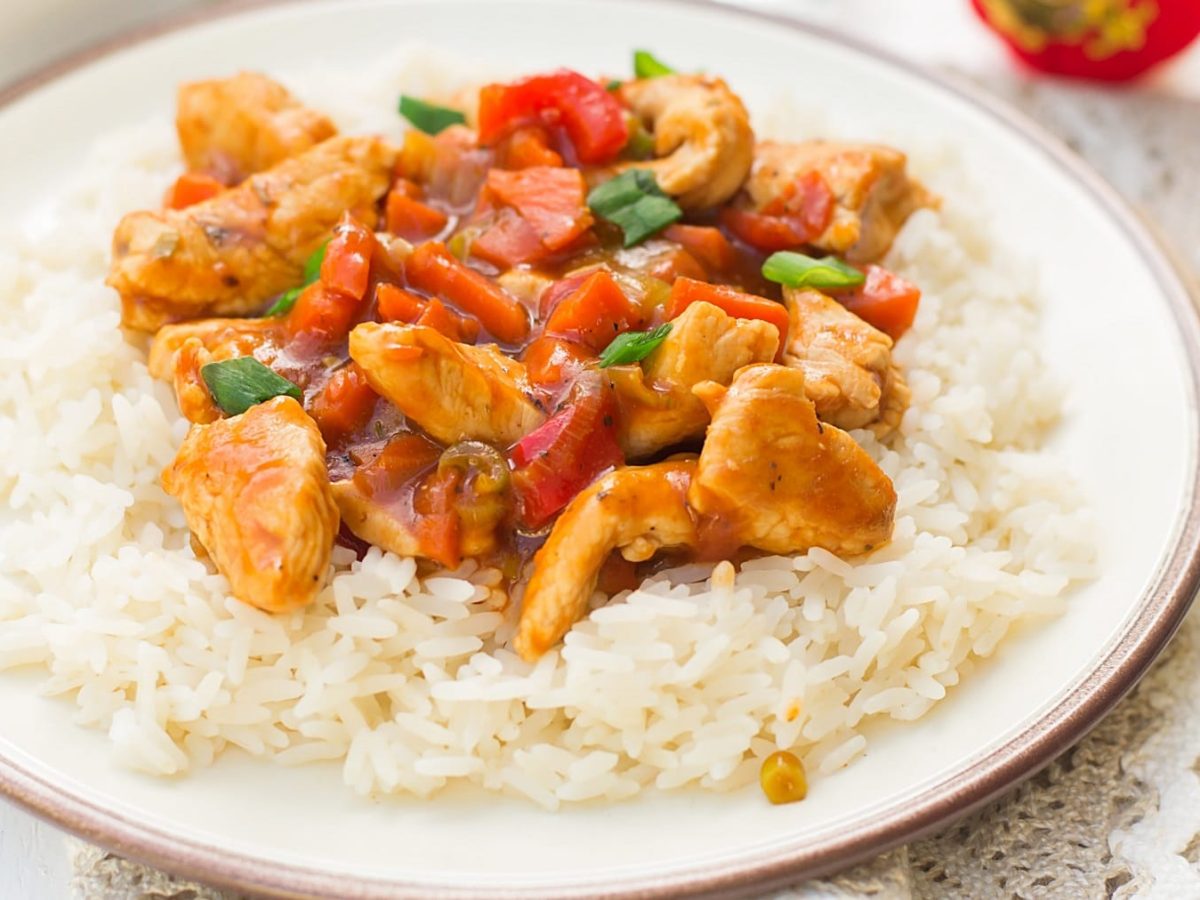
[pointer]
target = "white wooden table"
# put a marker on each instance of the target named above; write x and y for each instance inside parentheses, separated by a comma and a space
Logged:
(34, 859)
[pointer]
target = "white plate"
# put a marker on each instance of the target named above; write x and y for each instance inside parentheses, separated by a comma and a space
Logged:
(1119, 328)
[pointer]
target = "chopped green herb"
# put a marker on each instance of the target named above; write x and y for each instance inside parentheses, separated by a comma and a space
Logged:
(633, 346)
(238, 384)
(613, 85)
(634, 202)
(429, 117)
(312, 271)
(798, 271)
(646, 65)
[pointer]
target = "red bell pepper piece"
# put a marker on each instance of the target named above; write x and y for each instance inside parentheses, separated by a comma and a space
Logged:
(594, 121)
(564, 455)
(799, 215)
(885, 301)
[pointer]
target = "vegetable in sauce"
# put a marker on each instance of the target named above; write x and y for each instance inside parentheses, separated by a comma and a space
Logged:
(238, 384)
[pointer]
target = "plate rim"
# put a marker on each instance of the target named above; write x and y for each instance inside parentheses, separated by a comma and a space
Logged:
(1154, 619)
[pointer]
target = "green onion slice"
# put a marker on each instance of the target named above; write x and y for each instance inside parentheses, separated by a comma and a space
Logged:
(633, 346)
(634, 202)
(238, 384)
(647, 65)
(799, 271)
(312, 271)
(429, 117)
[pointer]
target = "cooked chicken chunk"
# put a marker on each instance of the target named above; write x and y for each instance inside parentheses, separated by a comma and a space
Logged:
(179, 352)
(255, 493)
(705, 344)
(702, 136)
(234, 127)
(637, 510)
(454, 391)
(782, 481)
(228, 255)
(873, 193)
(847, 364)
(381, 524)
(223, 338)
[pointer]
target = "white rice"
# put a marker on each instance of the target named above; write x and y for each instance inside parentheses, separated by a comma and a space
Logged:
(688, 681)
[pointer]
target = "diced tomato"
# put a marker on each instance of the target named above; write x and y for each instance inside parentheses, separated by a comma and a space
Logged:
(799, 215)
(885, 301)
(191, 188)
(432, 268)
(509, 241)
(411, 219)
(440, 318)
(592, 117)
(323, 313)
(549, 361)
(344, 405)
(708, 245)
(439, 529)
(552, 200)
(525, 147)
(395, 304)
(594, 313)
(347, 265)
(686, 291)
(564, 455)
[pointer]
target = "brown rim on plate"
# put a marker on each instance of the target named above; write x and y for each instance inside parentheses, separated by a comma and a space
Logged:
(1153, 620)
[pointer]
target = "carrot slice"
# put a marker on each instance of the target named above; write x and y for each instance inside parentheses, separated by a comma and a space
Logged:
(344, 405)
(686, 291)
(440, 318)
(705, 243)
(191, 188)
(397, 305)
(410, 218)
(346, 268)
(432, 268)
(594, 313)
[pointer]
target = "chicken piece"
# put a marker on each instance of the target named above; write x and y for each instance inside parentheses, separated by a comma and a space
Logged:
(873, 195)
(702, 137)
(234, 127)
(705, 344)
(454, 391)
(383, 525)
(179, 352)
(255, 494)
(222, 338)
(229, 254)
(783, 482)
(637, 510)
(847, 364)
